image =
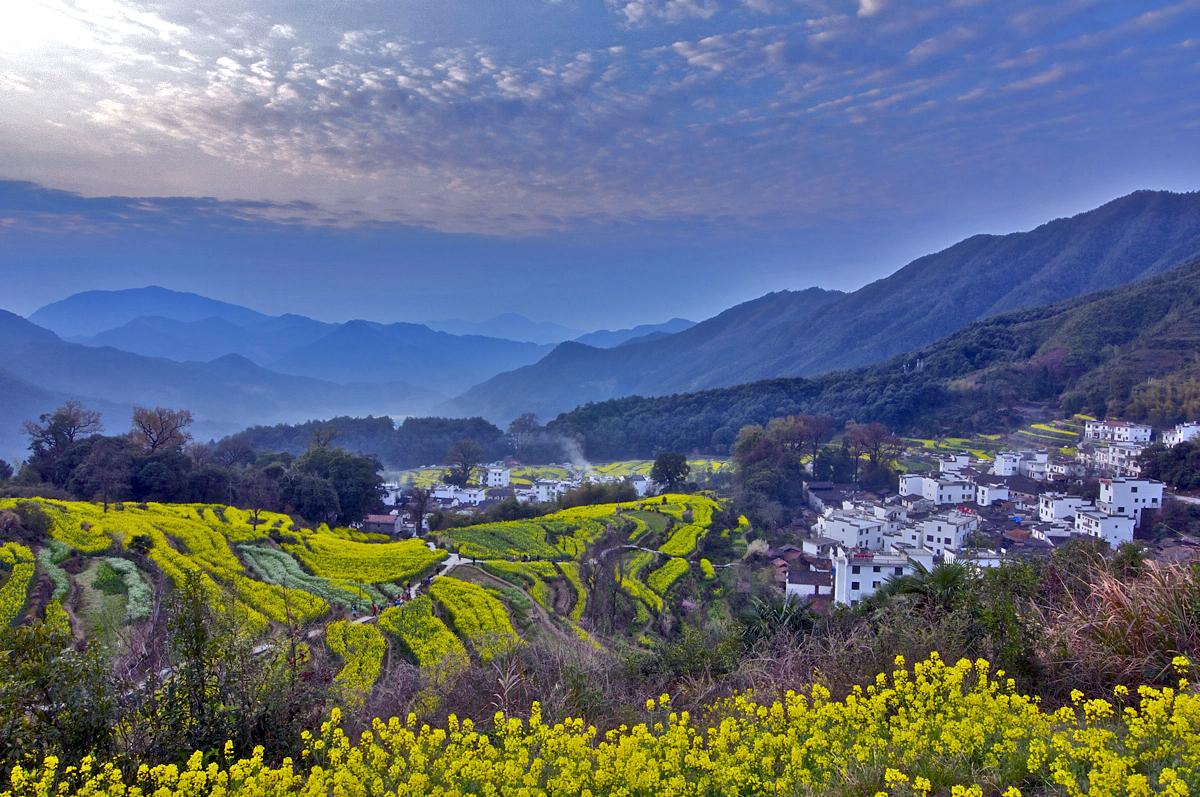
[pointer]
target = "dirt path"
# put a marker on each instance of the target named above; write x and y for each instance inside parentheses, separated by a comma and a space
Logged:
(538, 609)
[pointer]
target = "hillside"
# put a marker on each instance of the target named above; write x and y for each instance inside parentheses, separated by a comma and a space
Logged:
(804, 334)
(1131, 351)
(225, 394)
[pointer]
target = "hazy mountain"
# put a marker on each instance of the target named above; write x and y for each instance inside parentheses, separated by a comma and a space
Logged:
(788, 334)
(364, 351)
(208, 338)
(611, 338)
(226, 394)
(1131, 351)
(91, 312)
(574, 373)
(361, 352)
(511, 326)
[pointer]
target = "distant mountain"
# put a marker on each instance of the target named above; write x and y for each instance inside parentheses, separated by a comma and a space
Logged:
(226, 394)
(802, 334)
(364, 351)
(91, 312)
(573, 373)
(510, 326)
(1132, 352)
(185, 327)
(611, 338)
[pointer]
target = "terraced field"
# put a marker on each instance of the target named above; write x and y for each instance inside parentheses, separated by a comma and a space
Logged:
(93, 569)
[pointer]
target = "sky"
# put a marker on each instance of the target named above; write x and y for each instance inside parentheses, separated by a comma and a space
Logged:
(596, 163)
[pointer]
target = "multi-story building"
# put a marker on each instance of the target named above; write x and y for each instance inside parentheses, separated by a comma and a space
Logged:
(1183, 433)
(947, 531)
(497, 477)
(860, 574)
(940, 490)
(1058, 506)
(1130, 497)
(1113, 529)
(1112, 431)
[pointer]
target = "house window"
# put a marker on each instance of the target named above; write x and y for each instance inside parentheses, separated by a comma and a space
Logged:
(853, 585)
(899, 571)
(875, 584)
(928, 538)
(855, 570)
(876, 568)
(1133, 489)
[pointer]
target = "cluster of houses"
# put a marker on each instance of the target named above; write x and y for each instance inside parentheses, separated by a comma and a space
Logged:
(495, 484)
(972, 511)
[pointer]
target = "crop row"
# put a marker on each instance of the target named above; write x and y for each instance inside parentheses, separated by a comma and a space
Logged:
(138, 598)
(278, 567)
(18, 561)
(361, 647)
(664, 577)
(423, 637)
(475, 615)
(333, 557)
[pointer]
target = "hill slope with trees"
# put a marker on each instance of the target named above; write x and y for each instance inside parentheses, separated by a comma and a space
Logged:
(1130, 351)
(812, 332)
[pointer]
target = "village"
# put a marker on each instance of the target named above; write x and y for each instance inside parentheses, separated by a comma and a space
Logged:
(980, 512)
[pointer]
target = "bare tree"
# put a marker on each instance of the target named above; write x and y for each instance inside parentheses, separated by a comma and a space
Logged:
(323, 436)
(417, 507)
(258, 492)
(160, 428)
(874, 440)
(106, 471)
(56, 430)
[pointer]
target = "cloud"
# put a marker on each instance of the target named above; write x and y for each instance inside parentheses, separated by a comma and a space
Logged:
(729, 112)
(643, 12)
(869, 8)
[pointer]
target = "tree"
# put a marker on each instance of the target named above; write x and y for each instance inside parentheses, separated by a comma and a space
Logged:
(671, 471)
(354, 478)
(257, 492)
(313, 497)
(162, 476)
(161, 429)
(231, 452)
(6, 471)
(417, 507)
(53, 438)
(323, 436)
(106, 471)
(875, 441)
(463, 457)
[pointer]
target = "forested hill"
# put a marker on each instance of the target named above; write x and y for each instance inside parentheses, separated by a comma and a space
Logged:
(808, 333)
(1133, 351)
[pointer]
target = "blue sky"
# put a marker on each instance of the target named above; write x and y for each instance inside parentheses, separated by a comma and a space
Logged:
(594, 163)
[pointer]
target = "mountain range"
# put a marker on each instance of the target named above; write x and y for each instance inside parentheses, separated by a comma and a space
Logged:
(1132, 351)
(233, 366)
(804, 333)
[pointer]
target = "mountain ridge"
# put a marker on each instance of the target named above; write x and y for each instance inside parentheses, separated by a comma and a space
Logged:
(785, 334)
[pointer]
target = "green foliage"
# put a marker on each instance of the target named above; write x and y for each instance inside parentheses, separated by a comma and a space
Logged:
(1178, 466)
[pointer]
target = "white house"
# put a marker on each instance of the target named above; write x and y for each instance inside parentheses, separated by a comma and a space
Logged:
(852, 529)
(940, 491)
(1007, 463)
(1034, 465)
(1057, 506)
(947, 531)
(990, 490)
(497, 477)
(1113, 529)
(546, 491)
(641, 485)
(1183, 433)
(804, 585)
(1130, 497)
(1117, 431)
(954, 463)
